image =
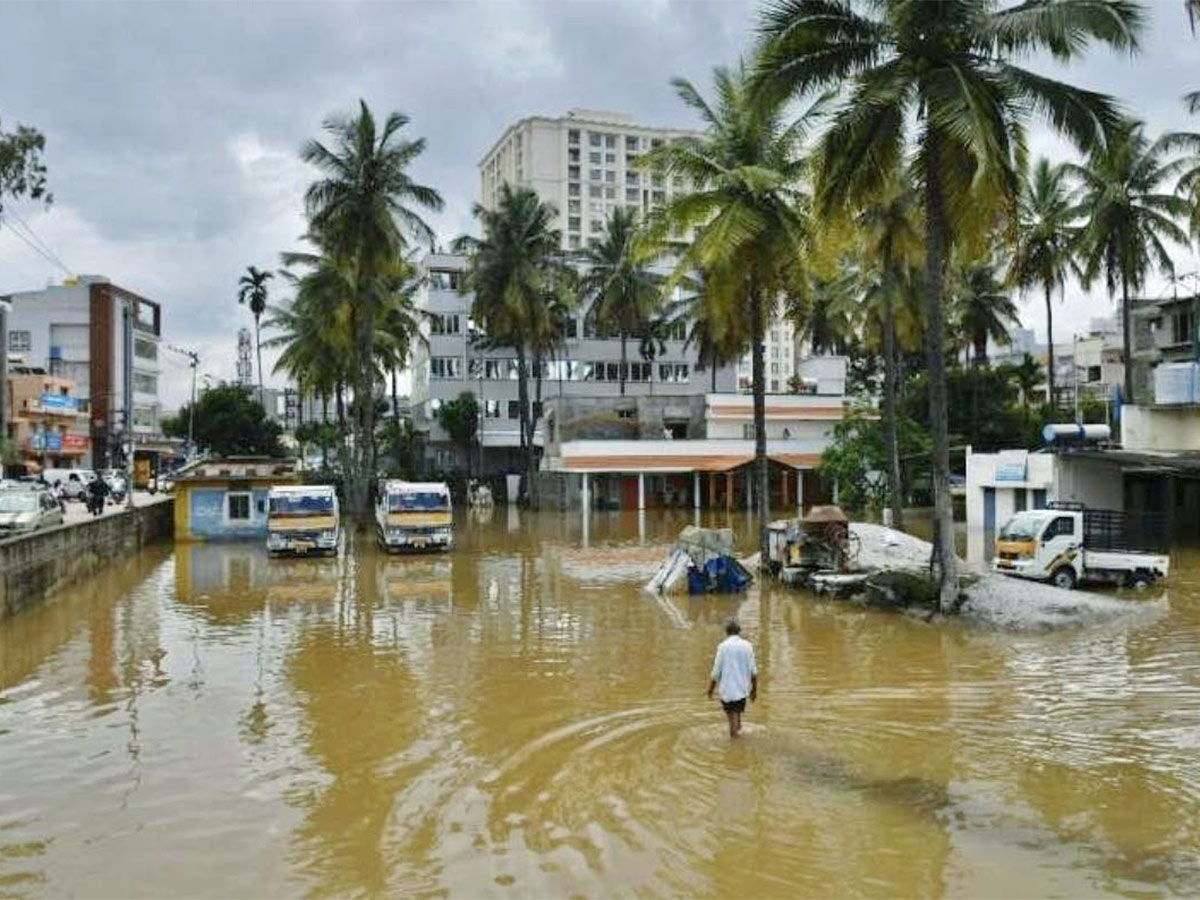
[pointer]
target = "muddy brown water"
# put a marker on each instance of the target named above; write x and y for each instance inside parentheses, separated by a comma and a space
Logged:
(517, 719)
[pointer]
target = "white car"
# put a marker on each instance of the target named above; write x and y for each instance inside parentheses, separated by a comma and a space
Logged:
(24, 509)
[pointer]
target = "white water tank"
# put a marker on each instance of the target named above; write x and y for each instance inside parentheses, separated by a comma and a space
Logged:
(1176, 383)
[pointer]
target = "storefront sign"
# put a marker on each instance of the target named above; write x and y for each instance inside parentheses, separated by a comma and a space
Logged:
(75, 442)
(59, 403)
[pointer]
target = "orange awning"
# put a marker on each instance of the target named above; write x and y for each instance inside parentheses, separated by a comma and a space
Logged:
(796, 460)
(656, 463)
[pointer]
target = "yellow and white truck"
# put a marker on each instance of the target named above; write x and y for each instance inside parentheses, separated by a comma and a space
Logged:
(303, 519)
(414, 515)
(1065, 544)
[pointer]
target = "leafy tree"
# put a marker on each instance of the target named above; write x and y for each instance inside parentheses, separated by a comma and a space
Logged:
(937, 82)
(229, 422)
(980, 308)
(324, 434)
(1026, 375)
(626, 294)
(361, 214)
(857, 457)
(518, 275)
(460, 419)
(22, 172)
(252, 290)
(1044, 249)
(748, 214)
(402, 446)
(1131, 217)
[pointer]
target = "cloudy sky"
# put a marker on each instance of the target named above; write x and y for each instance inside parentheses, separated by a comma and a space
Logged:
(173, 128)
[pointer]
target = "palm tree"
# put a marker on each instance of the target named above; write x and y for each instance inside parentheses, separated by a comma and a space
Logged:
(939, 79)
(625, 293)
(1130, 217)
(749, 216)
(981, 308)
(361, 214)
(1025, 376)
(1044, 249)
(514, 269)
(252, 289)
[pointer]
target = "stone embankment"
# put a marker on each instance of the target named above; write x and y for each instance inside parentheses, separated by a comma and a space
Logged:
(34, 566)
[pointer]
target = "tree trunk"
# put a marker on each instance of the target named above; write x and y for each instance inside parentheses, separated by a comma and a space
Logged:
(895, 490)
(1126, 343)
(979, 350)
(936, 228)
(362, 323)
(713, 366)
(395, 400)
(258, 352)
(1050, 354)
(343, 447)
(760, 422)
(624, 338)
(324, 435)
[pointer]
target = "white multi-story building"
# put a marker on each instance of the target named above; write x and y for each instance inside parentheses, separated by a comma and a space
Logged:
(584, 163)
(105, 339)
(450, 364)
(780, 356)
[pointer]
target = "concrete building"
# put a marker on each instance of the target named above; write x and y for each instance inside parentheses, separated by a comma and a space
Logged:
(103, 338)
(584, 163)
(226, 499)
(47, 419)
(1164, 331)
(453, 362)
(781, 353)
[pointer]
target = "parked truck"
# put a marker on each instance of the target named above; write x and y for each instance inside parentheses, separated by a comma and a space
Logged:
(412, 515)
(1069, 543)
(302, 519)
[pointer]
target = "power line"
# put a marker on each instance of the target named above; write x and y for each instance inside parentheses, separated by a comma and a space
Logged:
(32, 246)
(38, 239)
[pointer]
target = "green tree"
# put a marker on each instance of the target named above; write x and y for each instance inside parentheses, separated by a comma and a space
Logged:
(362, 215)
(939, 79)
(1044, 246)
(857, 456)
(229, 422)
(22, 172)
(252, 290)
(1131, 217)
(516, 270)
(748, 214)
(980, 308)
(1026, 375)
(626, 294)
(460, 419)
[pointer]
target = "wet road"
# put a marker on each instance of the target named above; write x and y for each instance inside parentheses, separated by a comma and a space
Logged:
(518, 719)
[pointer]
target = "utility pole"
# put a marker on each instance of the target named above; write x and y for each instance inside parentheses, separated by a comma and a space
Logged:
(127, 399)
(194, 361)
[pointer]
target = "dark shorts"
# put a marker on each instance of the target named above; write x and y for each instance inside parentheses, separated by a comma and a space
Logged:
(734, 706)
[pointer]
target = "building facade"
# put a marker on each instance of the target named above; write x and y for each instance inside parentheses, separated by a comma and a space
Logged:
(452, 361)
(47, 420)
(584, 164)
(103, 338)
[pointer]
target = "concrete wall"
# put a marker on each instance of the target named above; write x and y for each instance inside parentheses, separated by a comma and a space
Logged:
(202, 512)
(33, 567)
(1144, 428)
(1093, 482)
(981, 475)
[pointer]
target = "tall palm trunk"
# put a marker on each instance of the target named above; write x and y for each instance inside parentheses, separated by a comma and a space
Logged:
(1126, 342)
(343, 448)
(713, 365)
(1050, 353)
(523, 423)
(258, 352)
(362, 470)
(758, 369)
(395, 400)
(936, 229)
(324, 435)
(624, 366)
(979, 349)
(895, 498)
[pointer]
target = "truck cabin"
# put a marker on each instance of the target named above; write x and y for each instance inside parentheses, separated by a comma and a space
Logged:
(301, 504)
(418, 501)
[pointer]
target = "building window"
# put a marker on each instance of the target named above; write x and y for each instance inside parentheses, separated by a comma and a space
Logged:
(1183, 327)
(748, 431)
(639, 371)
(596, 225)
(143, 417)
(774, 368)
(594, 175)
(19, 341)
(495, 369)
(572, 190)
(657, 142)
(445, 280)
(573, 223)
(144, 349)
(445, 367)
(573, 172)
(573, 242)
(596, 208)
(610, 193)
(573, 136)
(610, 159)
(631, 195)
(658, 198)
(444, 323)
(632, 178)
(610, 176)
(573, 155)
(631, 143)
(514, 409)
(610, 140)
(573, 206)
(491, 409)
(145, 384)
(774, 385)
(595, 190)
(673, 373)
(677, 331)
(1093, 373)
(237, 507)
(594, 138)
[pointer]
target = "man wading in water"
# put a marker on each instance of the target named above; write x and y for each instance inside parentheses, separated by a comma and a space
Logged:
(735, 673)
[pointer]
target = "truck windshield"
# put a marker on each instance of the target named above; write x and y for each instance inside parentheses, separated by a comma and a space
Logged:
(420, 501)
(1021, 528)
(301, 504)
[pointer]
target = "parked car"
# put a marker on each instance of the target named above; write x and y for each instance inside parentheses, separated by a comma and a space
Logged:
(25, 509)
(74, 481)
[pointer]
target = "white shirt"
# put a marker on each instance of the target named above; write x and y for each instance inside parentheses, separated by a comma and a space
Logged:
(732, 668)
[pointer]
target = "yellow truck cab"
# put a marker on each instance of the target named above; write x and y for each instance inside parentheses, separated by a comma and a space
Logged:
(302, 518)
(414, 515)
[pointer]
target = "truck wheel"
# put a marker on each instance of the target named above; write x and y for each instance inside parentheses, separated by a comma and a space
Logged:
(1063, 577)
(1139, 581)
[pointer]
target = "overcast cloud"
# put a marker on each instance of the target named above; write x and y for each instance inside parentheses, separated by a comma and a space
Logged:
(173, 129)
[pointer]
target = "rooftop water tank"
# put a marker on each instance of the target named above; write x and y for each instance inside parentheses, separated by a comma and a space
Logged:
(1176, 383)
(1068, 434)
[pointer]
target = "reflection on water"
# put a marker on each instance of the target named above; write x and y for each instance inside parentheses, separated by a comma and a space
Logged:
(517, 719)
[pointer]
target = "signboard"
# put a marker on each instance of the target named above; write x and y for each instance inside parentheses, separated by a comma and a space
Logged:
(75, 442)
(1011, 465)
(46, 441)
(59, 403)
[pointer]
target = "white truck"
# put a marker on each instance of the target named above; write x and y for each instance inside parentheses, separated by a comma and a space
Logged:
(414, 515)
(1068, 543)
(302, 519)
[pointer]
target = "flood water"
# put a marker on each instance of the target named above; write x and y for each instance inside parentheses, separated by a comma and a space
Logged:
(518, 719)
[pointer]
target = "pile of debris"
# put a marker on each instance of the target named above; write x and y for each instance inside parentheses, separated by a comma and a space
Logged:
(703, 561)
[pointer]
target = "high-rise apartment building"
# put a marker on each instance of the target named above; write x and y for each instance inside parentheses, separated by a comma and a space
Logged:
(584, 163)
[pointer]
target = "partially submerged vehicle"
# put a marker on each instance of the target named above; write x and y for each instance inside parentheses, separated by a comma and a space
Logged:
(821, 541)
(414, 515)
(702, 558)
(1065, 544)
(302, 519)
